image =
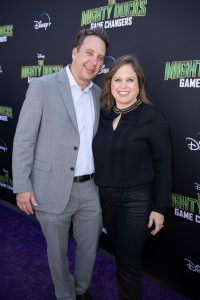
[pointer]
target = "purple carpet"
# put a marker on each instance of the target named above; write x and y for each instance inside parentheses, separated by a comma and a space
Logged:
(24, 272)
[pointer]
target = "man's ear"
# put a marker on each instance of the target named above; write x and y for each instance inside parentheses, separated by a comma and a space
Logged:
(74, 51)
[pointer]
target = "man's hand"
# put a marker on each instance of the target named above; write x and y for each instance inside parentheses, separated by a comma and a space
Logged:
(157, 219)
(25, 201)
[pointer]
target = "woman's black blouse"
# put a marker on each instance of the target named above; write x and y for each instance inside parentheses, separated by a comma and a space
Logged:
(137, 152)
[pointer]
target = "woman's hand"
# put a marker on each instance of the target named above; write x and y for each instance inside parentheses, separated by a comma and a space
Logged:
(156, 219)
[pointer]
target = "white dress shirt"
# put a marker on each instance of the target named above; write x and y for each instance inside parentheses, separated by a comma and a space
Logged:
(84, 107)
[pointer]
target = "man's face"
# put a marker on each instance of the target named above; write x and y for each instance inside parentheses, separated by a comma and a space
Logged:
(87, 60)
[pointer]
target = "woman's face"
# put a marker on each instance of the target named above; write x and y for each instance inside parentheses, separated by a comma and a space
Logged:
(124, 86)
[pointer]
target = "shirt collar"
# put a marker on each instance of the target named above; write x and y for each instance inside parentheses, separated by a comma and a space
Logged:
(73, 82)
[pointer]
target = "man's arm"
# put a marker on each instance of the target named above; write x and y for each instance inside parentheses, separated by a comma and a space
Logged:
(24, 145)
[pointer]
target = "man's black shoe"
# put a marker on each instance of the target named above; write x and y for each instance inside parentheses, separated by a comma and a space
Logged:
(85, 296)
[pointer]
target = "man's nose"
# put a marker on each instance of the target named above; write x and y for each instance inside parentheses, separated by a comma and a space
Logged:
(94, 60)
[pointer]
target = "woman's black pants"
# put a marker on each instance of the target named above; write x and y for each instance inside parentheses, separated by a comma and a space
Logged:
(125, 218)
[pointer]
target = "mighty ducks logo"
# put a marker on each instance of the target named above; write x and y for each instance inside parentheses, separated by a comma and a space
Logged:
(187, 207)
(5, 180)
(5, 32)
(114, 14)
(41, 69)
(186, 71)
(5, 113)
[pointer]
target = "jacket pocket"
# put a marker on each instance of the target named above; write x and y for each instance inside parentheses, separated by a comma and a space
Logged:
(42, 165)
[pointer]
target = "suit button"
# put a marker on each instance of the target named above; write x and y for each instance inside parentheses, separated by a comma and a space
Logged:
(75, 148)
(72, 169)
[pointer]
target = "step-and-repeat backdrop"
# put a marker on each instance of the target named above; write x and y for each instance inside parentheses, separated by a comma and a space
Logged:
(36, 38)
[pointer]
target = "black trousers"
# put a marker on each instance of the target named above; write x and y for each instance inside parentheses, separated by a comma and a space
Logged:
(125, 217)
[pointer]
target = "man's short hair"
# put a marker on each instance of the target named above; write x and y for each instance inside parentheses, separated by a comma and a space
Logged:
(98, 31)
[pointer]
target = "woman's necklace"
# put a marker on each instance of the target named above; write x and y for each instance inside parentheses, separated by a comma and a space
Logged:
(127, 109)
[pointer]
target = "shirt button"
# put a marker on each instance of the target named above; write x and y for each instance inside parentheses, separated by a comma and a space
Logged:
(72, 168)
(75, 148)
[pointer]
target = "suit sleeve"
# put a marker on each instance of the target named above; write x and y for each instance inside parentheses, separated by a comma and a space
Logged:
(26, 137)
(162, 156)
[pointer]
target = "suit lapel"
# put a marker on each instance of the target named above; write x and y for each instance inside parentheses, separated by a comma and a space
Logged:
(65, 90)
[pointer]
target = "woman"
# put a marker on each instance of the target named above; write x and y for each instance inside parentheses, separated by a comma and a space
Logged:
(132, 156)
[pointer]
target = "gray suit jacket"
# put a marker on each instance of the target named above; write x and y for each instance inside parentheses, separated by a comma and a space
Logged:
(44, 149)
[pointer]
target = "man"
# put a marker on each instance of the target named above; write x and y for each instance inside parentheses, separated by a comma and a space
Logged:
(53, 163)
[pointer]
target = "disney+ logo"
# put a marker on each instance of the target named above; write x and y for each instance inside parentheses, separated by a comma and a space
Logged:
(197, 186)
(193, 145)
(192, 266)
(44, 23)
